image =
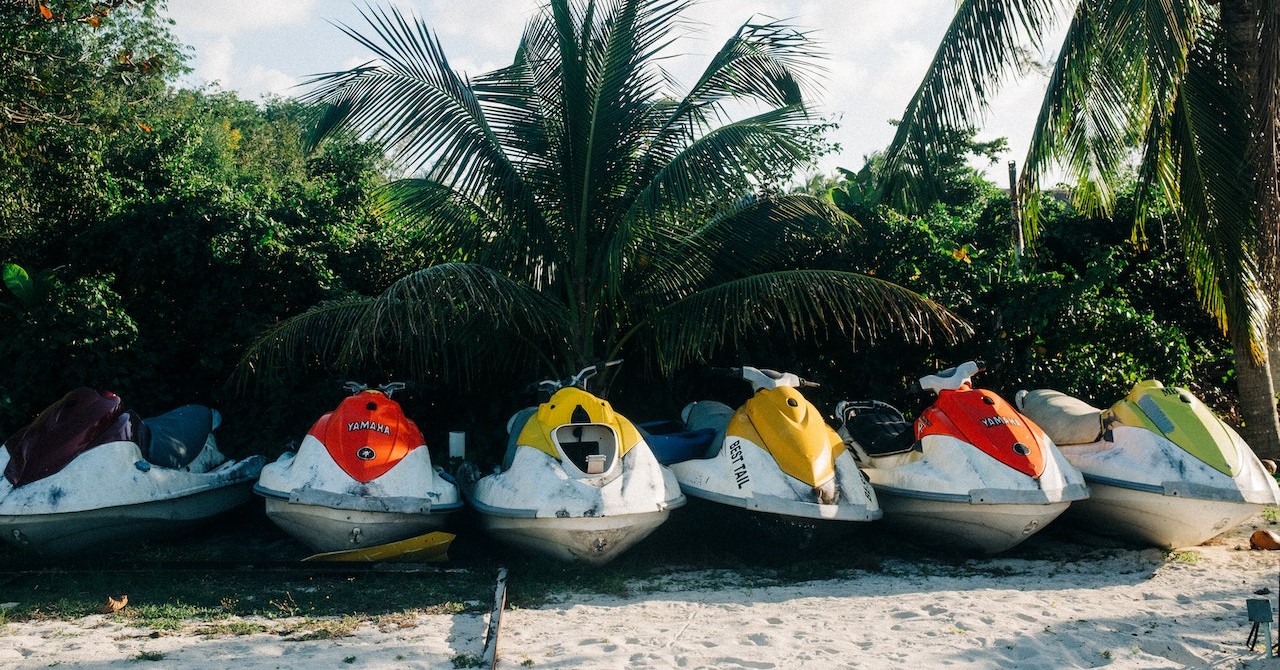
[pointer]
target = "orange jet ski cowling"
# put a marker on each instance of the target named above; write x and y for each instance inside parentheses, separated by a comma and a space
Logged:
(986, 421)
(367, 435)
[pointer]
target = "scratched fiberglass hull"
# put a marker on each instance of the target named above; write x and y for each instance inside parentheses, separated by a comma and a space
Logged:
(578, 481)
(1163, 469)
(361, 478)
(970, 473)
(771, 475)
(128, 480)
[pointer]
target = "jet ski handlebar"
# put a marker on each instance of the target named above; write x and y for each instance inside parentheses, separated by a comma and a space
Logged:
(386, 389)
(579, 380)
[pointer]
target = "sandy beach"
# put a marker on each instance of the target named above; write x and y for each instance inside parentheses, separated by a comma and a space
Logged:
(1061, 605)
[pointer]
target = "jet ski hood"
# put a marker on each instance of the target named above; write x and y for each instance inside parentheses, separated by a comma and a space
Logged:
(793, 431)
(367, 435)
(1181, 418)
(986, 421)
(573, 407)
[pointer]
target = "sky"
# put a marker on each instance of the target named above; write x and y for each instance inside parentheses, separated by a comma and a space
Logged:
(876, 53)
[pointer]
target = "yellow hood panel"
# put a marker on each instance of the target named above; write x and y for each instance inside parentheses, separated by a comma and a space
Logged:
(793, 431)
(559, 411)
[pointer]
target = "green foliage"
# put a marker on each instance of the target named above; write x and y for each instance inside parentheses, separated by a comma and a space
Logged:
(74, 334)
(1087, 312)
(177, 224)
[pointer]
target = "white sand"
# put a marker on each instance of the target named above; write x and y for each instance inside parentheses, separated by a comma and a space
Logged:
(1095, 608)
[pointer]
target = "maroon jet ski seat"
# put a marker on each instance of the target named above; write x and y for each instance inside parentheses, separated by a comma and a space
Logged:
(82, 419)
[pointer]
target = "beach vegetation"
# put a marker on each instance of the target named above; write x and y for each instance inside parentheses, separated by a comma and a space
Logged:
(1187, 556)
(323, 628)
(147, 656)
(467, 661)
(1271, 514)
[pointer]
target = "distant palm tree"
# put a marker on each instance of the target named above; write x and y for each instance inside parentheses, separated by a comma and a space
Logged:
(1189, 89)
(573, 207)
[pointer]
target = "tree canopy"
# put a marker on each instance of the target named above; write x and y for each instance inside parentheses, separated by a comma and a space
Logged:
(579, 207)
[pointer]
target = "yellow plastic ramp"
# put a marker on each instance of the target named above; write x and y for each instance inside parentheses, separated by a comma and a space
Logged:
(430, 548)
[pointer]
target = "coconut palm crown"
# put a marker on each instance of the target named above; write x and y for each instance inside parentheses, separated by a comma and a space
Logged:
(573, 207)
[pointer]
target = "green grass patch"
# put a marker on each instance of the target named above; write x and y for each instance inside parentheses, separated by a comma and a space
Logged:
(1271, 515)
(148, 656)
(231, 628)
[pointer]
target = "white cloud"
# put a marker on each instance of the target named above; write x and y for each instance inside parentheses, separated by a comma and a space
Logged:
(214, 62)
(228, 17)
(263, 82)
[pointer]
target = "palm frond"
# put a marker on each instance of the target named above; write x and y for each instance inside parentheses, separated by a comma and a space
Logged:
(771, 63)
(315, 337)
(415, 105)
(749, 236)
(980, 48)
(453, 320)
(1117, 73)
(725, 160)
(1208, 134)
(802, 304)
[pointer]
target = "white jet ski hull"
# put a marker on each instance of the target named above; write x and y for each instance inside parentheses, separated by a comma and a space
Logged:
(536, 505)
(952, 493)
(1147, 517)
(109, 498)
(988, 529)
(326, 529)
(591, 540)
(113, 528)
(1148, 490)
(310, 497)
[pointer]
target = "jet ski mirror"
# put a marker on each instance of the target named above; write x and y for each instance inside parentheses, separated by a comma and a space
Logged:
(392, 387)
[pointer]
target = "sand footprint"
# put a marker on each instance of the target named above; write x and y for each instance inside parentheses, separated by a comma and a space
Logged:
(759, 639)
(727, 662)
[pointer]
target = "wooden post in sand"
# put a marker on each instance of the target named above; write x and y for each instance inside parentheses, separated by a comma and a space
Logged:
(490, 656)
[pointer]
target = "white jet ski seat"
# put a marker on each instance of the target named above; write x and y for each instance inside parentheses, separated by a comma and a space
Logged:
(1066, 420)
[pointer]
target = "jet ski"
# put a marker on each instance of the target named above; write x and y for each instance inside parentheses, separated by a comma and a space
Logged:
(771, 473)
(89, 476)
(361, 478)
(972, 473)
(1164, 470)
(577, 481)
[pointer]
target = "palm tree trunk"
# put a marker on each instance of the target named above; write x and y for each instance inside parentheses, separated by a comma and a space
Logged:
(1252, 29)
(1261, 427)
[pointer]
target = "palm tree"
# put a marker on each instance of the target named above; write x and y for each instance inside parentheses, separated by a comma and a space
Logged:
(574, 208)
(1189, 89)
